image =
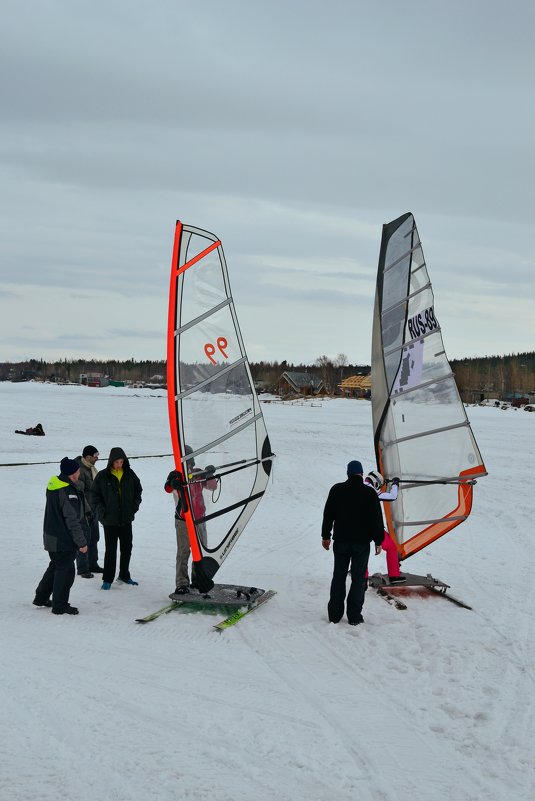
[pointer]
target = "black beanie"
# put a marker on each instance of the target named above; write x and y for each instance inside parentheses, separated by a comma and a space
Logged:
(68, 466)
(89, 450)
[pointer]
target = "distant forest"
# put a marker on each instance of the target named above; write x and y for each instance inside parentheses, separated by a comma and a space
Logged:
(501, 377)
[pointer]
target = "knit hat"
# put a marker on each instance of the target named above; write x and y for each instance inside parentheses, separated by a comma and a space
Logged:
(89, 450)
(354, 468)
(68, 466)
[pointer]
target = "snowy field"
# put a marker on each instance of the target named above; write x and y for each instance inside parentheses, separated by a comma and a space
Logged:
(432, 702)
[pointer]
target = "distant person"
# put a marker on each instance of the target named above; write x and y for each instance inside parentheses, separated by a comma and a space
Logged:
(173, 484)
(115, 496)
(87, 564)
(64, 533)
(36, 431)
(375, 480)
(353, 513)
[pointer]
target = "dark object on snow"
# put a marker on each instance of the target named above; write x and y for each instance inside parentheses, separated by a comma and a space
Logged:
(37, 431)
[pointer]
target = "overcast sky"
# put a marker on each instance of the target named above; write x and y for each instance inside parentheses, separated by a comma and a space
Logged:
(292, 129)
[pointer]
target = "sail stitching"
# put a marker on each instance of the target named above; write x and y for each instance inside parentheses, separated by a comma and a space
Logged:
(209, 380)
(400, 258)
(202, 317)
(406, 299)
(400, 524)
(424, 384)
(427, 433)
(216, 442)
(409, 342)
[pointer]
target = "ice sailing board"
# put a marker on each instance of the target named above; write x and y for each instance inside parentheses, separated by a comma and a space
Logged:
(421, 430)
(214, 413)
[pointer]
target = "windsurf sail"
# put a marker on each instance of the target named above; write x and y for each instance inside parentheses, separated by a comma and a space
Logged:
(214, 413)
(421, 431)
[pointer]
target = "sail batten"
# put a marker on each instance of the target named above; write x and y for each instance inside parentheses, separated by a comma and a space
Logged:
(421, 432)
(214, 411)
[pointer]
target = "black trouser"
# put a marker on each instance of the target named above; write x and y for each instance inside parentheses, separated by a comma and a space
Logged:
(85, 562)
(112, 534)
(357, 555)
(57, 579)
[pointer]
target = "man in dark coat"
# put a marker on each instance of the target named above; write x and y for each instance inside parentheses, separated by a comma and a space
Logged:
(64, 533)
(87, 564)
(354, 509)
(115, 496)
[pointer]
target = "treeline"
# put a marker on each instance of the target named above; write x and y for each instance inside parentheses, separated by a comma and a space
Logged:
(496, 376)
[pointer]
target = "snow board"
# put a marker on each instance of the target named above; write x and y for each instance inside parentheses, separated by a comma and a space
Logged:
(219, 595)
(384, 587)
(221, 598)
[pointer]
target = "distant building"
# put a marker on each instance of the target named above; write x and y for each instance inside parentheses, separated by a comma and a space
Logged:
(299, 384)
(356, 386)
(94, 379)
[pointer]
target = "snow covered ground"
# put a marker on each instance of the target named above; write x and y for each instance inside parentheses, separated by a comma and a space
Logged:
(433, 702)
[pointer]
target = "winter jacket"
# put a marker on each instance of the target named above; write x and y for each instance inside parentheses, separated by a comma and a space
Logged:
(115, 502)
(354, 509)
(85, 481)
(195, 489)
(65, 526)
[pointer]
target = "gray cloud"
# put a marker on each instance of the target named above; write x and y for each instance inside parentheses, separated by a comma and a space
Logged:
(293, 130)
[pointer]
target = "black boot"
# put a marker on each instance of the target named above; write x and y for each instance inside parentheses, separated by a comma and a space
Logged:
(65, 610)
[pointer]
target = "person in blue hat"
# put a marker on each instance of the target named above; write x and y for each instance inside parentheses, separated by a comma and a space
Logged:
(65, 532)
(353, 517)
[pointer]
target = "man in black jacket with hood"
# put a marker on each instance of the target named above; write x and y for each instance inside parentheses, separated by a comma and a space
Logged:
(354, 509)
(115, 496)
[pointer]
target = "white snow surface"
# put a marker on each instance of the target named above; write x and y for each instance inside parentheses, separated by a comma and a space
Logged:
(432, 702)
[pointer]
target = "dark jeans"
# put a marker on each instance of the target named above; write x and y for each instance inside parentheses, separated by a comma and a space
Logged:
(357, 555)
(85, 562)
(112, 535)
(57, 579)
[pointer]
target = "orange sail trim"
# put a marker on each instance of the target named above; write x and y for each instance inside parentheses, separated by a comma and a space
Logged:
(440, 527)
(197, 258)
(171, 380)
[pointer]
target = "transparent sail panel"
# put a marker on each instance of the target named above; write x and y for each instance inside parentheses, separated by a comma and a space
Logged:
(203, 288)
(207, 348)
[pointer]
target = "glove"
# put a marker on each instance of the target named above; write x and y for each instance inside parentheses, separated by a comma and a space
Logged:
(395, 481)
(174, 479)
(209, 470)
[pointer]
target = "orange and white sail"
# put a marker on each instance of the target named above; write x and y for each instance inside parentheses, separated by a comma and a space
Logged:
(214, 413)
(421, 431)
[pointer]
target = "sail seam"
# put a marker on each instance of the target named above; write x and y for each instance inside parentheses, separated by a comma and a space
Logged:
(406, 299)
(209, 380)
(202, 317)
(431, 381)
(399, 524)
(403, 256)
(427, 433)
(410, 342)
(216, 442)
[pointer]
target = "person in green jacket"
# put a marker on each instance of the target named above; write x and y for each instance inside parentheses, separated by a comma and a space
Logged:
(65, 532)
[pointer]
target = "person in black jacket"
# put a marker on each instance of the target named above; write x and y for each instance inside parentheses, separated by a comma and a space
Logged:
(64, 533)
(87, 565)
(115, 496)
(354, 509)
